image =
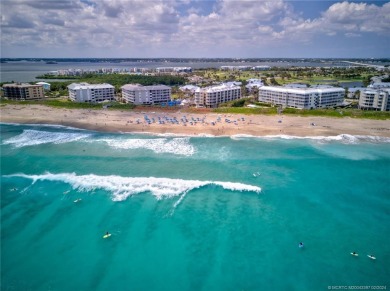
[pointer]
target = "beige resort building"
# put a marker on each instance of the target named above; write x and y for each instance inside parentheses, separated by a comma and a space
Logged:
(377, 99)
(23, 91)
(212, 96)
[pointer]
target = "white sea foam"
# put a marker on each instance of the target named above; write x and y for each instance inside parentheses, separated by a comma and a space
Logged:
(170, 134)
(242, 136)
(59, 126)
(177, 146)
(343, 138)
(30, 137)
(123, 187)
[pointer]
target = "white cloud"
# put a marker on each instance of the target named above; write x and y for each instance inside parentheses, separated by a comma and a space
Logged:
(174, 27)
(344, 17)
(352, 34)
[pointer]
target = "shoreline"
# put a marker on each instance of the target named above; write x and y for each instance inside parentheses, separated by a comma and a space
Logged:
(196, 124)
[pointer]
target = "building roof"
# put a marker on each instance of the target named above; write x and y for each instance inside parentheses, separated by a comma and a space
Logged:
(79, 86)
(351, 90)
(218, 88)
(250, 81)
(326, 89)
(189, 87)
(139, 87)
(236, 83)
(21, 85)
(295, 85)
(376, 90)
(380, 85)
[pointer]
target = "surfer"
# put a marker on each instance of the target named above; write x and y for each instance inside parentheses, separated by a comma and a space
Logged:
(300, 245)
(107, 235)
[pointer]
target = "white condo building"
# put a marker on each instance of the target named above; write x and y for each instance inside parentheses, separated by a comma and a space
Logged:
(174, 69)
(214, 95)
(375, 99)
(146, 95)
(379, 85)
(92, 93)
(302, 98)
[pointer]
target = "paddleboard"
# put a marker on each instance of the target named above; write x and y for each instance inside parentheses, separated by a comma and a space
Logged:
(107, 235)
(371, 257)
(356, 255)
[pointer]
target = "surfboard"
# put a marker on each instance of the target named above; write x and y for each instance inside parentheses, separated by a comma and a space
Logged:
(107, 235)
(356, 255)
(371, 257)
(77, 200)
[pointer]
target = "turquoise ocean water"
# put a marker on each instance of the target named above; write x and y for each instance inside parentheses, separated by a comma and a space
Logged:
(191, 213)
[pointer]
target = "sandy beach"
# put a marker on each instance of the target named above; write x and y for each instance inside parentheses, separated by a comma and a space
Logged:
(184, 123)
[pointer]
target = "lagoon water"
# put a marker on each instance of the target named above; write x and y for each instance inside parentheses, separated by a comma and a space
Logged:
(191, 213)
(27, 71)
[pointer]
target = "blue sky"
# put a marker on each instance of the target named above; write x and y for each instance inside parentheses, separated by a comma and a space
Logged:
(194, 28)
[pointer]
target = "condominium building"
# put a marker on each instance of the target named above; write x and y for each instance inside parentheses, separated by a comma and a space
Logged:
(92, 93)
(214, 95)
(379, 85)
(235, 68)
(377, 99)
(253, 84)
(302, 98)
(354, 93)
(23, 91)
(46, 86)
(174, 69)
(146, 95)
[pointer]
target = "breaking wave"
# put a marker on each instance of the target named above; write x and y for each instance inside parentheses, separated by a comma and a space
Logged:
(123, 187)
(30, 137)
(177, 146)
(343, 138)
(58, 126)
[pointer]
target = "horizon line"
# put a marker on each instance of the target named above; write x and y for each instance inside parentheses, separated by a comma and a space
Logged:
(25, 57)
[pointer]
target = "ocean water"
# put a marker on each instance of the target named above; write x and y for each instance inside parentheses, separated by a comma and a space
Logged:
(191, 213)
